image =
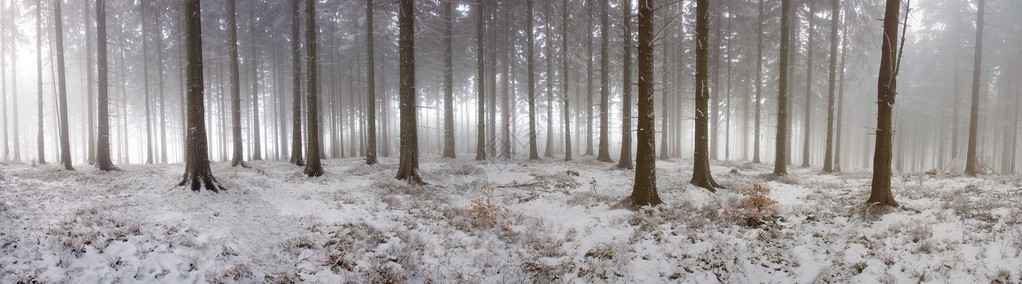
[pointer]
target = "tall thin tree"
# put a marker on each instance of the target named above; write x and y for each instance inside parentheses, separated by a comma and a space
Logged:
(448, 21)
(644, 191)
(625, 161)
(296, 87)
(828, 157)
(313, 166)
(701, 175)
(887, 84)
(564, 80)
(232, 48)
(197, 174)
(604, 148)
(370, 88)
(780, 152)
(408, 168)
(480, 85)
(971, 167)
(103, 161)
(65, 138)
(530, 38)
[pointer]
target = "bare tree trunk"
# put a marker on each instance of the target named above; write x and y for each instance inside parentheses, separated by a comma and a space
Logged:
(257, 149)
(530, 38)
(759, 84)
(604, 154)
(780, 153)
(625, 162)
(159, 71)
(480, 83)
(145, 79)
(14, 85)
(564, 80)
(90, 124)
(828, 158)
(232, 47)
(103, 161)
(313, 167)
(296, 86)
(880, 193)
(806, 120)
(840, 100)
(40, 136)
(449, 147)
(197, 172)
(549, 148)
(506, 101)
(65, 139)
(644, 191)
(408, 168)
(977, 63)
(589, 82)
(370, 87)
(701, 175)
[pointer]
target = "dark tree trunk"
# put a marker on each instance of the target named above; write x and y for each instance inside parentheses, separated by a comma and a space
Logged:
(840, 100)
(103, 161)
(780, 153)
(159, 73)
(549, 148)
(880, 193)
(625, 162)
(589, 81)
(530, 38)
(506, 101)
(232, 47)
(65, 139)
(828, 157)
(313, 167)
(145, 79)
(806, 120)
(296, 86)
(370, 88)
(759, 84)
(449, 146)
(604, 147)
(644, 191)
(40, 135)
(701, 175)
(480, 84)
(564, 80)
(197, 172)
(971, 167)
(257, 148)
(408, 168)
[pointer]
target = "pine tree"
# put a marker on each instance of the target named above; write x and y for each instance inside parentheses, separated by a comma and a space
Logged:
(701, 175)
(481, 86)
(887, 84)
(232, 47)
(644, 191)
(65, 139)
(780, 152)
(408, 168)
(604, 147)
(197, 172)
(977, 65)
(103, 161)
(313, 166)
(296, 86)
(828, 158)
(370, 88)
(625, 161)
(449, 146)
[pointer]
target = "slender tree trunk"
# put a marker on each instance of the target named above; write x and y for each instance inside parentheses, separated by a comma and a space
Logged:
(197, 172)
(604, 154)
(14, 85)
(644, 192)
(370, 87)
(549, 148)
(313, 167)
(880, 193)
(103, 161)
(828, 158)
(89, 144)
(65, 139)
(159, 71)
(449, 146)
(625, 161)
(506, 101)
(971, 167)
(296, 86)
(589, 82)
(232, 47)
(145, 79)
(480, 84)
(701, 175)
(533, 148)
(408, 168)
(40, 135)
(807, 119)
(257, 149)
(759, 84)
(840, 100)
(565, 99)
(780, 163)
(727, 100)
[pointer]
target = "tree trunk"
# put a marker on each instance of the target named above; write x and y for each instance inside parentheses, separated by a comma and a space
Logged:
(780, 163)
(313, 167)
(370, 87)
(14, 85)
(296, 86)
(103, 161)
(840, 100)
(530, 38)
(408, 168)
(506, 101)
(449, 146)
(565, 99)
(644, 191)
(806, 120)
(604, 154)
(828, 157)
(90, 124)
(257, 149)
(40, 136)
(759, 84)
(701, 175)
(65, 139)
(880, 193)
(159, 71)
(625, 162)
(480, 84)
(589, 81)
(197, 172)
(232, 47)
(549, 148)
(977, 63)
(145, 79)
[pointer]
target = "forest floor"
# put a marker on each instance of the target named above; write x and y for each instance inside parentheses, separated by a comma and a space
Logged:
(544, 221)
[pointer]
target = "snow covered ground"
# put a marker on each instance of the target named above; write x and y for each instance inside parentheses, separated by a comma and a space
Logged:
(498, 222)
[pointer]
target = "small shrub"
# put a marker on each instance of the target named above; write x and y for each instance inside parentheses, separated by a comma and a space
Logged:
(756, 208)
(484, 210)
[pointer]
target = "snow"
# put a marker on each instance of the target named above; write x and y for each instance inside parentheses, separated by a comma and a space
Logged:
(545, 221)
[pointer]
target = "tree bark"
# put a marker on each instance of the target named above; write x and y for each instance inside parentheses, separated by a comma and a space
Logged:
(449, 146)
(780, 153)
(565, 99)
(257, 148)
(701, 175)
(530, 38)
(880, 192)
(828, 157)
(296, 86)
(625, 162)
(644, 192)
(370, 88)
(759, 84)
(604, 147)
(232, 47)
(40, 134)
(408, 168)
(313, 166)
(971, 167)
(480, 85)
(197, 172)
(103, 161)
(65, 139)
(806, 120)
